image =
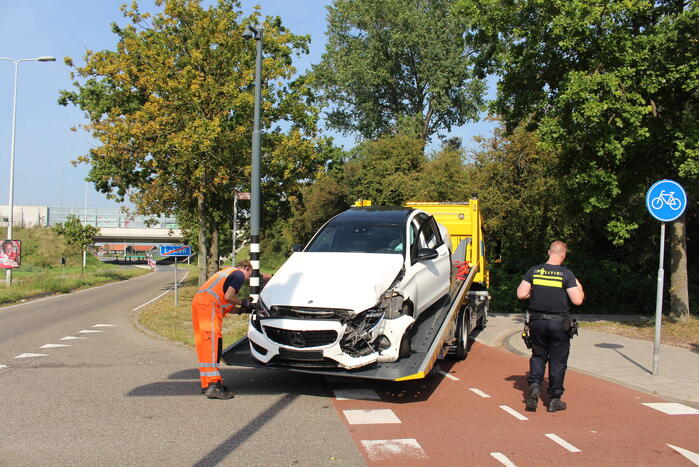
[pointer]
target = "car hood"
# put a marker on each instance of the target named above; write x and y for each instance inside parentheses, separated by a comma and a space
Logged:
(352, 281)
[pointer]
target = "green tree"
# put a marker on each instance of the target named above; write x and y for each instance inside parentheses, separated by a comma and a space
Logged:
(395, 63)
(613, 88)
(77, 236)
(172, 110)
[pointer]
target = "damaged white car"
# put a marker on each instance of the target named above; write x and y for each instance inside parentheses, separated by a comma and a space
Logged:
(350, 297)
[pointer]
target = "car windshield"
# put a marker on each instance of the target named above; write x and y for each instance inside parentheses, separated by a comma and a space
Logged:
(359, 239)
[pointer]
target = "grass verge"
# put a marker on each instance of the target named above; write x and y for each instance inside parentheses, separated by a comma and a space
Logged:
(681, 334)
(175, 323)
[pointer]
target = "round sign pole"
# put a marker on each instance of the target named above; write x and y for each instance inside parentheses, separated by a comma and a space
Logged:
(659, 303)
(666, 201)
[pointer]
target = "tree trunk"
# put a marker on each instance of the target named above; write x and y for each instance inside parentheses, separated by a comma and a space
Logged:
(679, 290)
(202, 240)
(213, 259)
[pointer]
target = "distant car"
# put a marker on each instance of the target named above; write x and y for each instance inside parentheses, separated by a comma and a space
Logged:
(349, 298)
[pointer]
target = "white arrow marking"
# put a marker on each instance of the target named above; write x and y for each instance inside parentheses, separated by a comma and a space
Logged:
(103, 325)
(85, 331)
(31, 355)
(70, 338)
(692, 456)
(51, 346)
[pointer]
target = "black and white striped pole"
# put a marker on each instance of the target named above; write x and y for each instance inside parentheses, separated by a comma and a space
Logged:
(255, 192)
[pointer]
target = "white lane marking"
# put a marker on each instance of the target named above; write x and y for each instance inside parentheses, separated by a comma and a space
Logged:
(513, 412)
(142, 266)
(32, 355)
(558, 440)
(167, 291)
(479, 392)
(370, 417)
(2, 367)
(451, 377)
(390, 449)
(502, 458)
(672, 408)
(692, 456)
(71, 293)
(85, 331)
(356, 394)
(51, 346)
(70, 338)
(103, 325)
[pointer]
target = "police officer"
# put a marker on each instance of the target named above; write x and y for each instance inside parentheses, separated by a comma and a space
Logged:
(550, 288)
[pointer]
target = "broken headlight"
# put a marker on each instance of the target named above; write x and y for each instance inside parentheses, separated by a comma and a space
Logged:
(358, 332)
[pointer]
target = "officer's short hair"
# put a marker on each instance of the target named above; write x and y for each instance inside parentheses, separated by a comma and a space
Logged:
(244, 264)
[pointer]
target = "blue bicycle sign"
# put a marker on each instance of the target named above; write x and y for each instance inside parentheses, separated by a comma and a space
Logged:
(666, 200)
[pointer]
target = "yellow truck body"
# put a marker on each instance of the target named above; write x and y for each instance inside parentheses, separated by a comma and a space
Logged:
(464, 222)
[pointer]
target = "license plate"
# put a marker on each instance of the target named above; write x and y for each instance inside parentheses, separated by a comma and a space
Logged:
(301, 355)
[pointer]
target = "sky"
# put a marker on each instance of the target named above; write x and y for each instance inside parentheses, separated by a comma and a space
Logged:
(44, 142)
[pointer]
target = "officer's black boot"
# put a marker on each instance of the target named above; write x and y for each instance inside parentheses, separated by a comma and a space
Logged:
(532, 399)
(217, 391)
(555, 405)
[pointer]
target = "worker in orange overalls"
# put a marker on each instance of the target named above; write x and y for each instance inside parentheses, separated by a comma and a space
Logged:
(217, 297)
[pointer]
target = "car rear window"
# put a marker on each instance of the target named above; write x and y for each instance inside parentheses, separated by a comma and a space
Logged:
(359, 239)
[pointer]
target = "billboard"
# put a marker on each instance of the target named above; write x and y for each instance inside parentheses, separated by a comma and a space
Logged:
(10, 254)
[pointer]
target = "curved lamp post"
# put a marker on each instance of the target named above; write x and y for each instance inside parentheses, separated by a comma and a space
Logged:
(255, 194)
(16, 61)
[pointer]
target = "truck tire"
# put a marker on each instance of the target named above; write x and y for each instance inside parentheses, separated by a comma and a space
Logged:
(460, 349)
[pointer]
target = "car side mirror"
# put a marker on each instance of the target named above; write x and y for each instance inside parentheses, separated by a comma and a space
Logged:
(297, 248)
(424, 254)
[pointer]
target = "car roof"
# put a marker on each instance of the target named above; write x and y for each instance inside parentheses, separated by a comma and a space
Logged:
(373, 215)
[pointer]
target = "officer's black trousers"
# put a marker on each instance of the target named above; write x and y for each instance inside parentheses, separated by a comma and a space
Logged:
(549, 344)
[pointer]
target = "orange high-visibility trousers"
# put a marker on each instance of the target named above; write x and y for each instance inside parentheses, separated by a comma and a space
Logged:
(207, 319)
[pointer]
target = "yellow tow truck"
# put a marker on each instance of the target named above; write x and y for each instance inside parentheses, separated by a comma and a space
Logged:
(441, 331)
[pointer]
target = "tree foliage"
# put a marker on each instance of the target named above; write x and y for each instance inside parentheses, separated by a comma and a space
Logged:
(394, 63)
(172, 109)
(78, 237)
(612, 88)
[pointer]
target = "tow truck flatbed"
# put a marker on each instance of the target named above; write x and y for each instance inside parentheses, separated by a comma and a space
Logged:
(433, 332)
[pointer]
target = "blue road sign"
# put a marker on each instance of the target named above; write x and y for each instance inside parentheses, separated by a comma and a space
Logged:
(666, 200)
(176, 250)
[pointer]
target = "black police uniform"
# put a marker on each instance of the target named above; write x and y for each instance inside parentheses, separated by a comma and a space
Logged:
(548, 313)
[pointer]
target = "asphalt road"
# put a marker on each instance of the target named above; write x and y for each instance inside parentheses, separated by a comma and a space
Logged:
(121, 397)
(117, 396)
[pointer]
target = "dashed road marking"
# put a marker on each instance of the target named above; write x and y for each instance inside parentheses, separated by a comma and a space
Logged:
(479, 392)
(103, 325)
(672, 408)
(502, 458)
(70, 338)
(513, 412)
(2, 367)
(370, 417)
(51, 346)
(451, 377)
(393, 449)
(32, 355)
(356, 394)
(692, 456)
(558, 440)
(85, 331)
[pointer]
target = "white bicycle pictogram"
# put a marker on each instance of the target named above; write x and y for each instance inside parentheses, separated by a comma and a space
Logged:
(666, 198)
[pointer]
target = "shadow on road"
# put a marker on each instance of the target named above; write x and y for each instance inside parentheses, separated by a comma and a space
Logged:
(616, 347)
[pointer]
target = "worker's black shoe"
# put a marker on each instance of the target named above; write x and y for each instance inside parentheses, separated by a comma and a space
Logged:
(555, 405)
(532, 399)
(217, 391)
(225, 388)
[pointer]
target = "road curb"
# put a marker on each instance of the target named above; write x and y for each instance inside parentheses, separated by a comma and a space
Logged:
(665, 395)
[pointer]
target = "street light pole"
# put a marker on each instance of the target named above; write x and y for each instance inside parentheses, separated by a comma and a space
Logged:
(255, 192)
(11, 206)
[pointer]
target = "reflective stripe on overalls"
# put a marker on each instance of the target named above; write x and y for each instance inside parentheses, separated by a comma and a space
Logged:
(213, 288)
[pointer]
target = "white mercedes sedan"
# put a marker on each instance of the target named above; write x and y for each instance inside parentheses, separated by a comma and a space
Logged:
(349, 298)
